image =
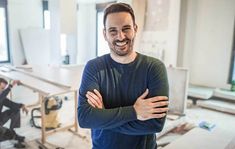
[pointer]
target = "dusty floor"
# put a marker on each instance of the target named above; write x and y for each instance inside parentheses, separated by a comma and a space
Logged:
(68, 140)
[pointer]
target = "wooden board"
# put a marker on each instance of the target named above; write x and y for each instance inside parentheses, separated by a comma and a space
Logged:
(198, 138)
(33, 83)
(225, 94)
(219, 105)
(64, 77)
(200, 92)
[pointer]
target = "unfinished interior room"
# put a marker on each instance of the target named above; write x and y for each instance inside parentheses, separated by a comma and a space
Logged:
(117, 74)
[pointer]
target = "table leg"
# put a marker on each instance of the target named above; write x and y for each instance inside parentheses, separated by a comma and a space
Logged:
(42, 101)
(75, 110)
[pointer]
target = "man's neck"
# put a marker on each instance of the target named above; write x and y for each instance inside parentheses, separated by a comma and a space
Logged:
(124, 59)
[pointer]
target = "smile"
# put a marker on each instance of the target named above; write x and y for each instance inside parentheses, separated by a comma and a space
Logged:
(121, 44)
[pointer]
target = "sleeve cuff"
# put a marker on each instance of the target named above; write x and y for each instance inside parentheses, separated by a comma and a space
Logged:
(129, 113)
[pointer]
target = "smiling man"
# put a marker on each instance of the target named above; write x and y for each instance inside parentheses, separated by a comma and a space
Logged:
(123, 96)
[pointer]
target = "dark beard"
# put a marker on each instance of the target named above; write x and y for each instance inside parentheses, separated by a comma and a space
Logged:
(121, 53)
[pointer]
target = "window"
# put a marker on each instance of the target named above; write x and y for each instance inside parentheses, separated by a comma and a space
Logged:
(4, 45)
(46, 15)
(101, 45)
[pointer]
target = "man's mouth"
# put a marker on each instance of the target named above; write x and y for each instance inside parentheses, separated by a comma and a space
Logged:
(121, 43)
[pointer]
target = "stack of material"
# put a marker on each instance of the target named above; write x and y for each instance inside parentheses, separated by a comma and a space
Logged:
(219, 105)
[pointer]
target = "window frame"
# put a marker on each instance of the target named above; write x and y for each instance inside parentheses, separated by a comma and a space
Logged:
(45, 7)
(232, 62)
(3, 4)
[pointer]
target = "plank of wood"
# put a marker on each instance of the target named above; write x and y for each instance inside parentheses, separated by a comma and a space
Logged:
(218, 105)
(225, 94)
(40, 86)
(200, 92)
(198, 138)
(231, 144)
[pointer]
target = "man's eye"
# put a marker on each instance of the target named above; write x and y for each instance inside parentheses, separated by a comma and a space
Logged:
(113, 32)
(126, 29)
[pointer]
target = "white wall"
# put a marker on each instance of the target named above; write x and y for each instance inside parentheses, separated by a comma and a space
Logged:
(22, 14)
(161, 30)
(63, 21)
(86, 32)
(68, 16)
(69, 26)
(207, 41)
(55, 31)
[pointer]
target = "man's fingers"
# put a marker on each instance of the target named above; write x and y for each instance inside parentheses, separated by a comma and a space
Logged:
(158, 115)
(151, 116)
(93, 95)
(158, 98)
(93, 105)
(159, 110)
(25, 111)
(159, 104)
(144, 94)
(94, 101)
(98, 94)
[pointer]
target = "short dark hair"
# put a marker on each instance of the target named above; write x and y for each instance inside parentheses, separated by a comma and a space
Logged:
(3, 81)
(118, 7)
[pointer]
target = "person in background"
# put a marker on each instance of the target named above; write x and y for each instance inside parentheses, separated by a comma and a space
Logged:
(13, 109)
(123, 95)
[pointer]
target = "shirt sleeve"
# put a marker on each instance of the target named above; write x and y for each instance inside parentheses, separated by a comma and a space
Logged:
(4, 93)
(13, 105)
(158, 86)
(89, 117)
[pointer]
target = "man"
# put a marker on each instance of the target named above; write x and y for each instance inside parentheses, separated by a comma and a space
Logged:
(123, 95)
(13, 111)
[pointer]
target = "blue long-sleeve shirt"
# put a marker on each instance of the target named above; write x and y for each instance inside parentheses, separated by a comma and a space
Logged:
(116, 126)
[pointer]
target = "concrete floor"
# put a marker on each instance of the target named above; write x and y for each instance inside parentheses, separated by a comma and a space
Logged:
(68, 140)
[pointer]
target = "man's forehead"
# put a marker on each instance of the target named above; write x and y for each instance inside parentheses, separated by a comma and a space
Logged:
(120, 18)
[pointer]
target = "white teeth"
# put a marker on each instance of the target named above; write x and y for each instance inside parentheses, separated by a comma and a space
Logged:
(121, 43)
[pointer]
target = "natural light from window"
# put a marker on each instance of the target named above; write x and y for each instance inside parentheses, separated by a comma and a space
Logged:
(47, 22)
(3, 36)
(102, 45)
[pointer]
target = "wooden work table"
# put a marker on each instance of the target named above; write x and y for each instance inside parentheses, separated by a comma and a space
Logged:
(47, 81)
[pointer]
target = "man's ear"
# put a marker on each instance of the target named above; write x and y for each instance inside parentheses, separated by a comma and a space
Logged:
(136, 27)
(104, 34)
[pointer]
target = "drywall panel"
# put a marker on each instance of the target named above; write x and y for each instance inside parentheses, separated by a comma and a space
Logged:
(178, 87)
(36, 45)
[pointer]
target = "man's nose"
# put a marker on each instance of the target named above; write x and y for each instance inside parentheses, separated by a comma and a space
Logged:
(120, 35)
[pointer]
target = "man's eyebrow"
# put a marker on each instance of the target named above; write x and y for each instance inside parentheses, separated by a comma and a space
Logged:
(111, 28)
(126, 26)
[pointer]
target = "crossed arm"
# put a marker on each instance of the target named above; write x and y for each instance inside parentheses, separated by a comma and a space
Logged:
(147, 111)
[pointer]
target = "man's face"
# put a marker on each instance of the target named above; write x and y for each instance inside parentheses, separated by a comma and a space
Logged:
(120, 33)
(2, 86)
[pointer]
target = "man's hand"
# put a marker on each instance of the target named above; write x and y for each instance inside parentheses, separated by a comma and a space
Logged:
(24, 109)
(95, 99)
(15, 82)
(150, 108)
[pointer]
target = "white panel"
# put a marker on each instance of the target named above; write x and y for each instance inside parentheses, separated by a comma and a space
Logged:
(36, 44)
(178, 83)
(22, 14)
